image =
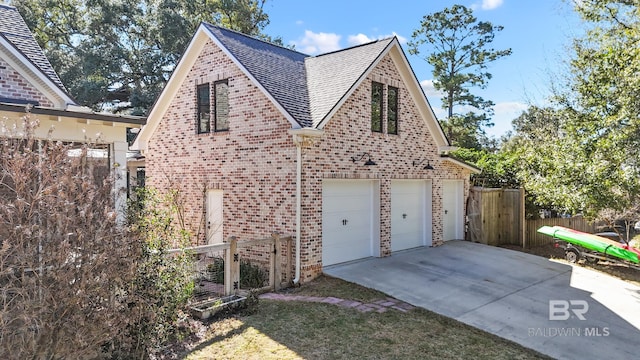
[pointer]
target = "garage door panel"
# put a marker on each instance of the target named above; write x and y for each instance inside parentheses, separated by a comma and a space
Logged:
(410, 214)
(349, 205)
(346, 220)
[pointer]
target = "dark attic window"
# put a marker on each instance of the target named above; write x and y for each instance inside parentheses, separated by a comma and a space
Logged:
(376, 106)
(204, 109)
(392, 110)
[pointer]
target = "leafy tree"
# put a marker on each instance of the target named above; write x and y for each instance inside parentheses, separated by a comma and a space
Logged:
(582, 155)
(458, 49)
(499, 169)
(125, 50)
(567, 171)
(537, 142)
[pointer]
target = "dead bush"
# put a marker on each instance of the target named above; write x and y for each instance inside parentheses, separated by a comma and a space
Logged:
(74, 281)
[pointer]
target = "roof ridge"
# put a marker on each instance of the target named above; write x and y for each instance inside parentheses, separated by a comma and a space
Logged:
(253, 37)
(16, 34)
(356, 46)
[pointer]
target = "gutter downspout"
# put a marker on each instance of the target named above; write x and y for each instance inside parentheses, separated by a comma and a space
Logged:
(298, 143)
(301, 137)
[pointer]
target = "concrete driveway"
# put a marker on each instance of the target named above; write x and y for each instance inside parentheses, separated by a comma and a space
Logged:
(528, 299)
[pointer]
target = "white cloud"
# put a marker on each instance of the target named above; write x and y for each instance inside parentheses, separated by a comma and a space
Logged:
(401, 39)
(487, 5)
(504, 113)
(314, 43)
(430, 90)
(509, 108)
(299, 22)
(358, 39)
(491, 4)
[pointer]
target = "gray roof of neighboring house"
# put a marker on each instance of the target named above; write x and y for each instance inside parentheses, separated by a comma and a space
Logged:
(307, 87)
(14, 29)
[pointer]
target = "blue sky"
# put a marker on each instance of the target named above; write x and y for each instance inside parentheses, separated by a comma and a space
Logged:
(538, 32)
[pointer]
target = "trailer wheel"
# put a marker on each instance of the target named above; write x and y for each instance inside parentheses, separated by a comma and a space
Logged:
(591, 260)
(572, 255)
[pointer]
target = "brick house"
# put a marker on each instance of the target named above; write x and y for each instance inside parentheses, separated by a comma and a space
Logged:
(29, 84)
(341, 150)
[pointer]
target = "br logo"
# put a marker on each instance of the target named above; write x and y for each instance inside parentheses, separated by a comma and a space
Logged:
(562, 309)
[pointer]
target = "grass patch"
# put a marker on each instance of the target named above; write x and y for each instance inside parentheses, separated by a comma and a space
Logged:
(299, 330)
(328, 286)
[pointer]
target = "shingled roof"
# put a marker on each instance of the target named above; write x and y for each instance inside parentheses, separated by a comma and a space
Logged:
(308, 90)
(330, 76)
(279, 70)
(15, 31)
(307, 87)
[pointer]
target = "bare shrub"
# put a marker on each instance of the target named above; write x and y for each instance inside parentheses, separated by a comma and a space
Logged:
(63, 257)
(74, 283)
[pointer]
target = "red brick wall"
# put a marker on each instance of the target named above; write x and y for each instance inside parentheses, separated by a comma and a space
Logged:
(15, 86)
(254, 162)
(348, 134)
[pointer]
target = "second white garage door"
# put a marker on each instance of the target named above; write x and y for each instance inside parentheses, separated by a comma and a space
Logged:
(349, 222)
(410, 214)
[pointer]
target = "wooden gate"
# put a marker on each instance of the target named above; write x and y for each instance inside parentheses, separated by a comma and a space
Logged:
(496, 216)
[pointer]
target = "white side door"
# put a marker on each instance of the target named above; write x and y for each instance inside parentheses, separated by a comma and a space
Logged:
(452, 213)
(214, 217)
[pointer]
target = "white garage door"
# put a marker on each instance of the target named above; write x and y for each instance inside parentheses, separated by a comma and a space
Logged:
(348, 227)
(410, 214)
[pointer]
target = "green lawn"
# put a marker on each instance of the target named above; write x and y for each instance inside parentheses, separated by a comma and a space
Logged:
(299, 330)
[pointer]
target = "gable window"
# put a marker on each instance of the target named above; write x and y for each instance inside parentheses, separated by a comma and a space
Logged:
(392, 110)
(204, 109)
(221, 97)
(376, 107)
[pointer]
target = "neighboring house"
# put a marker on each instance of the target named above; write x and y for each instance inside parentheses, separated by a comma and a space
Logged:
(341, 150)
(28, 82)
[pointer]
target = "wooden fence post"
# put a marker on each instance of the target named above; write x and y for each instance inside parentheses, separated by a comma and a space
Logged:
(289, 259)
(523, 221)
(228, 258)
(276, 268)
(232, 268)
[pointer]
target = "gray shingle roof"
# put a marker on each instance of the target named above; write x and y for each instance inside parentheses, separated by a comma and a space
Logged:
(307, 87)
(331, 76)
(279, 70)
(14, 29)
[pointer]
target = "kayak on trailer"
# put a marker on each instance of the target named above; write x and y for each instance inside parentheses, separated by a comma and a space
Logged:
(591, 242)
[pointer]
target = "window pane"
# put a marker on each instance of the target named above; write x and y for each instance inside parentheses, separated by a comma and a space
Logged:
(376, 107)
(222, 106)
(392, 110)
(204, 109)
(203, 126)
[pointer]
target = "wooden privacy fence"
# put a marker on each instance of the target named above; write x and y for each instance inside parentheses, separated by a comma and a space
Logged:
(218, 269)
(536, 239)
(496, 216)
